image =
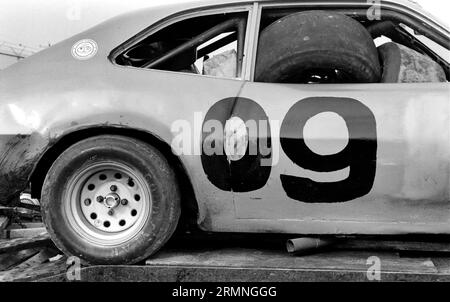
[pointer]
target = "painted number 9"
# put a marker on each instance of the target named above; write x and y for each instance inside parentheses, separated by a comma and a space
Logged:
(359, 155)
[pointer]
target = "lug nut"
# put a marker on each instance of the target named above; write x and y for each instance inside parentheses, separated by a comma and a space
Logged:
(113, 188)
(87, 202)
(100, 198)
(124, 202)
(111, 212)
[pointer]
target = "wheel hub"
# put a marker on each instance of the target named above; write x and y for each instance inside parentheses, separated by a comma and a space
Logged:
(112, 201)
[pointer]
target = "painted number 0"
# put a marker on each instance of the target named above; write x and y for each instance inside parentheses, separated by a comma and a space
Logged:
(246, 174)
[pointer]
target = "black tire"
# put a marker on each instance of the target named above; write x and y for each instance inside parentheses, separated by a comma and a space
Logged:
(305, 45)
(158, 180)
(404, 65)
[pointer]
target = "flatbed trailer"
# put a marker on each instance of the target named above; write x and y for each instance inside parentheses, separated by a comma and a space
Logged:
(238, 258)
(261, 266)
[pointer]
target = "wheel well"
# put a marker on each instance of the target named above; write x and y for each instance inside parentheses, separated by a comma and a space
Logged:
(188, 202)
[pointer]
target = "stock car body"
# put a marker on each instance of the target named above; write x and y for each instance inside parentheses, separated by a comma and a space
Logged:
(115, 149)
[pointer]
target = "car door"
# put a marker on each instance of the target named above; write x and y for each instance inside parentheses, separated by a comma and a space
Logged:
(359, 158)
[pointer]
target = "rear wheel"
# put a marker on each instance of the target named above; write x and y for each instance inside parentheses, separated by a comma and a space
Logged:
(110, 199)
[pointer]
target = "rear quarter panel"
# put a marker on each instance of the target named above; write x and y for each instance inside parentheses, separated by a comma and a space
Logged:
(54, 94)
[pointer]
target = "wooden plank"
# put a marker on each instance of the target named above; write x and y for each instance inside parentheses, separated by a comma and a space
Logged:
(44, 270)
(27, 225)
(235, 258)
(9, 260)
(13, 245)
(3, 222)
(24, 233)
(43, 256)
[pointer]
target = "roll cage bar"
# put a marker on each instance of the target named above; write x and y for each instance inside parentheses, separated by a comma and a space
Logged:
(239, 24)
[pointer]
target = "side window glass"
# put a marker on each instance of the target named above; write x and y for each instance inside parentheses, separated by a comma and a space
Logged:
(208, 45)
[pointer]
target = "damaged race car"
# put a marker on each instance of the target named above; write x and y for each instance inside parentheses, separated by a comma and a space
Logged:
(301, 117)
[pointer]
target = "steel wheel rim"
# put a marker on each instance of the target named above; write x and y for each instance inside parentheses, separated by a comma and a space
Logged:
(91, 216)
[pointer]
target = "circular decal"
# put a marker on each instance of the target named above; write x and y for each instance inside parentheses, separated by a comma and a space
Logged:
(84, 49)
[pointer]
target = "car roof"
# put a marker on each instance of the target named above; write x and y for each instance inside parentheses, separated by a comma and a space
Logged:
(217, 2)
(188, 5)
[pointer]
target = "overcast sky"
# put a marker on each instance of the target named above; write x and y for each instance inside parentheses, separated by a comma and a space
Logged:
(36, 23)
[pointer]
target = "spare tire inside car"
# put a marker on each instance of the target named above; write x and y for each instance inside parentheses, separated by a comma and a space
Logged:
(317, 47)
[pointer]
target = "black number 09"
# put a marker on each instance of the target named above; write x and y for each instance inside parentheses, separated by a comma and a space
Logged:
(360, 154)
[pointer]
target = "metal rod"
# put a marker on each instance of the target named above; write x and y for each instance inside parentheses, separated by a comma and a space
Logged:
(12, 55)
(242, 25)
(216, 45)
(198, 40)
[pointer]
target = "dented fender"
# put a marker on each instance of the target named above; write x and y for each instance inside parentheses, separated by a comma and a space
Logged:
(18, 156)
